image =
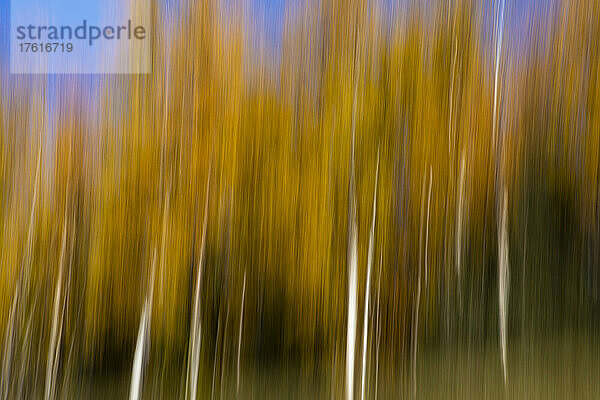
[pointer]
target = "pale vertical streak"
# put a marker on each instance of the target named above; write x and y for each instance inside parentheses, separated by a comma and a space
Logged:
(418, 299)
(459, 212)
(31, 216)
(217, 343)
(53, 346)
(224, 352)
(503, 281)
(10, 334)
(368, 288)
(9, 345)
(163, 247)
(65, 310)
(351, 332)
(162, 178)
(240, 335)
(503, 268)
(352, 248)
(427, 225)
(136, 375)
(195, 329)
(452, 94)
(55, 335)
(142, 339)
(497, 65)
(378, 327)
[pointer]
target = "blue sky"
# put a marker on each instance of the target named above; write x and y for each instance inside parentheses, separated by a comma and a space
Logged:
(268, 14)
(271, 12)
(4, 31)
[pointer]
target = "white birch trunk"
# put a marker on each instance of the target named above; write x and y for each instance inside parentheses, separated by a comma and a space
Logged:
(136, 373)
(503, 282)
(427, 225)
(12, 328)
(53, 349)
(418, 299)
(459, 213)
(378, 327)
(351, 331)
(450, 141)
(141, 348)
(195, 329)
(497, 65)
(368, 288)
(240, 335)
(352, 248)
(501, 207)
